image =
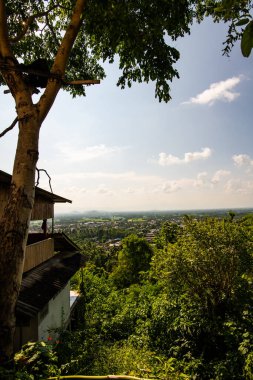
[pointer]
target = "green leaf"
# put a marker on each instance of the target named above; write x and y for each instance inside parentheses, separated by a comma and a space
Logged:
(241, 22)
(219, 9)
(247, 40)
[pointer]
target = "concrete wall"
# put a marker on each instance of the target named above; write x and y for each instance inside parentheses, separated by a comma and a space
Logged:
(55, 316)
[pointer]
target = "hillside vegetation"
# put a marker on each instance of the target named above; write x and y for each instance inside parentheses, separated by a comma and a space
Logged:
(179, 308)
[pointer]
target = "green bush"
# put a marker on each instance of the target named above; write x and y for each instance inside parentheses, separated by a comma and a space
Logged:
(36, 360)
(205, 305)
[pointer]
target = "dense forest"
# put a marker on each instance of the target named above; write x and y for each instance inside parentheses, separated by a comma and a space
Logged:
(179, 308)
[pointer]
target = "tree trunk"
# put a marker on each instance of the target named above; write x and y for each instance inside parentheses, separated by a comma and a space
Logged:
(15, 222)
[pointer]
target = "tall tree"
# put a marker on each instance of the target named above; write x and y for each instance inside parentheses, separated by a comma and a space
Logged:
(133, 259)
(47, 44)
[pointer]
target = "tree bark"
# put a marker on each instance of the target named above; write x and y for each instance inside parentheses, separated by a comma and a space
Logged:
(14, 227)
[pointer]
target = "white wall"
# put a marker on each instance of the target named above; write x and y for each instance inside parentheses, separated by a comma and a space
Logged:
(58, 313)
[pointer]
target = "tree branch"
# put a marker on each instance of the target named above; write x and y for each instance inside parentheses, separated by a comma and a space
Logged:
(50, 76)
(12, 78)
(38, 178)
(52, 31)
(5, 49)
(61, 59)
(9, 128)
(27, 23)
(82, 81)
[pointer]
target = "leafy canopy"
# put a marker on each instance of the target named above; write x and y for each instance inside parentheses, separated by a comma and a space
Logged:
(139, 33)
(133, 259)
(210, 262)
(238, 14)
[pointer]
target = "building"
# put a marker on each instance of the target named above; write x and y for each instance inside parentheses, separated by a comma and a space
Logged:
(45, 304)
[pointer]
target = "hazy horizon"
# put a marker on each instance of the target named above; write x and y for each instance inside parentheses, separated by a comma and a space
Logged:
(181, 211)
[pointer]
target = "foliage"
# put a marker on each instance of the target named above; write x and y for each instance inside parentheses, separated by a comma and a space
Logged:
(36, 360)
(205, 305)
(238, 14)
(169, 233)
(189, 317)
(133, 259)
(217, 254)
(98, 233)
(193, 312)
(136, 32)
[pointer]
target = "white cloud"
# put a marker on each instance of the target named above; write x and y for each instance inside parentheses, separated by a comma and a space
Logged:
(75, 190)
(129, 176)
(201, 179)
(130, 190)
(169, 159)
(103, 190)
(242, 159)
(173, 186)
(219, 175)
(218, 91)
(239, 186)
(87, 153)
(204, 154)
(170, 187)
(220, 189)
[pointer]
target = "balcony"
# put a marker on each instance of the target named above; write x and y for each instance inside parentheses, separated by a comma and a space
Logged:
(39, 249)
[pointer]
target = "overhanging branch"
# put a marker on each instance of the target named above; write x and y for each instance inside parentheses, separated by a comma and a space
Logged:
(10, 127)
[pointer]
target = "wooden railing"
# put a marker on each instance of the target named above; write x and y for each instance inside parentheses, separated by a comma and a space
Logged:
(37, 253)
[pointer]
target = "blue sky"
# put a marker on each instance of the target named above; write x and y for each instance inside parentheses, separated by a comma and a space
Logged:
(123, 150)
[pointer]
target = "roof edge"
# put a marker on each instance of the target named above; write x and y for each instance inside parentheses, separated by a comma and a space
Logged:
(6, 179)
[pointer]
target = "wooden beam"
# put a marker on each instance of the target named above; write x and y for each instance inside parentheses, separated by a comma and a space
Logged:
(83, 81)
